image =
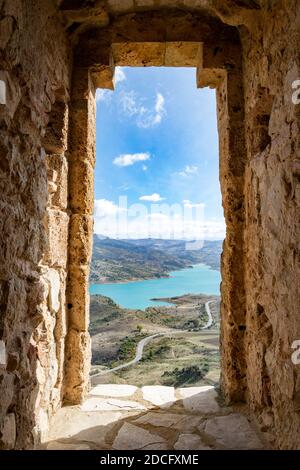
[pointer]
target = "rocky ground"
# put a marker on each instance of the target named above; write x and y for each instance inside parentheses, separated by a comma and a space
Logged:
(125, 417)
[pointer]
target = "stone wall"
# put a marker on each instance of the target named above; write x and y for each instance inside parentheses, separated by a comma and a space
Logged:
(259, 327)
(268, 319)
(35, 67)
(272, 200)
(47, 152)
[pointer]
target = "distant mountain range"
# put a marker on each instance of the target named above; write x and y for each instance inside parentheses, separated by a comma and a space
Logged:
(125, 260)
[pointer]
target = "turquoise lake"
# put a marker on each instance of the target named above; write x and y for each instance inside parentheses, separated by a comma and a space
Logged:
(200, 279)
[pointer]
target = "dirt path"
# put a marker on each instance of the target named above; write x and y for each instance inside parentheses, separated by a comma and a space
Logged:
(141, 344)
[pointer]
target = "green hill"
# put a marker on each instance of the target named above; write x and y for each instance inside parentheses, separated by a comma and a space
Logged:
(124, 260)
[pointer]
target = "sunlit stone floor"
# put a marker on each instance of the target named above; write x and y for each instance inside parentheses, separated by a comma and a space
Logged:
(124, 417)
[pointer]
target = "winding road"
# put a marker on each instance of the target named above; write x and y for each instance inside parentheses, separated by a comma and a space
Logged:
(210, 318)
(141, 344)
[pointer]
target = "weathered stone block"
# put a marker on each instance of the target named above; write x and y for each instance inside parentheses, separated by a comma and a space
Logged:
(58, 176)
(78, 297)
(6, 30)
(53, 279)
(8, 438)
(42, 424)
(81, 84)
(81, 425)
(81, 187)
(95, 13)
(111, 404)
(7, 385)
(241, 435)
(60, 354)
(57, 223)
(2, 92)
(60, 326)
(56, 137)
(190, 442)
(81, 237)
(145, 3)
(200, 399)
(3, 358)
(13, 361)
(118, 6)
(134, 437)
(82, 143)
(183, 54)
(159, 395)
(60, 446)
(139, 54)
(11, 92)
(78, 363)
(113, 390)
(103, 77)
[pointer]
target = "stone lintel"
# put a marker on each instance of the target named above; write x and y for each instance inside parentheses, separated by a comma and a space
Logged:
(151, 27)
(217, 60)
(148, 54)
(183, 54)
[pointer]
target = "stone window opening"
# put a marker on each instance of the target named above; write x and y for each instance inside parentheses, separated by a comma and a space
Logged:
(215, 67)
(249, 52)
(185, 56)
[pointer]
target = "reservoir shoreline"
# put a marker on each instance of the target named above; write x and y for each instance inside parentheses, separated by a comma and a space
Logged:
(198, 279)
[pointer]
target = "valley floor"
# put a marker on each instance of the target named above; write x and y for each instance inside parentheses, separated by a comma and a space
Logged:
(181, 354)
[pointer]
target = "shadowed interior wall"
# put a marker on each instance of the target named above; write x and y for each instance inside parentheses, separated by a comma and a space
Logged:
(272, 202)
(34, 221)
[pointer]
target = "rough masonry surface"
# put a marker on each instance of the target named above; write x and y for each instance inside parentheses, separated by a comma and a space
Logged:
(249, 52)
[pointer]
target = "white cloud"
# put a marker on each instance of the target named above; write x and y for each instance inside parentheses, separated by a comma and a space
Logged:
(119, 75)
(104, 208)
(131, 158)
(189, 205)
(152, 198)
(129, 103)
(101, 94)
(146, 117)
(188, 170)
(160, 104)
(169, 221)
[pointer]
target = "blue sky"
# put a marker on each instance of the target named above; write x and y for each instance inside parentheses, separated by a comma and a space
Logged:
(157, 146)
